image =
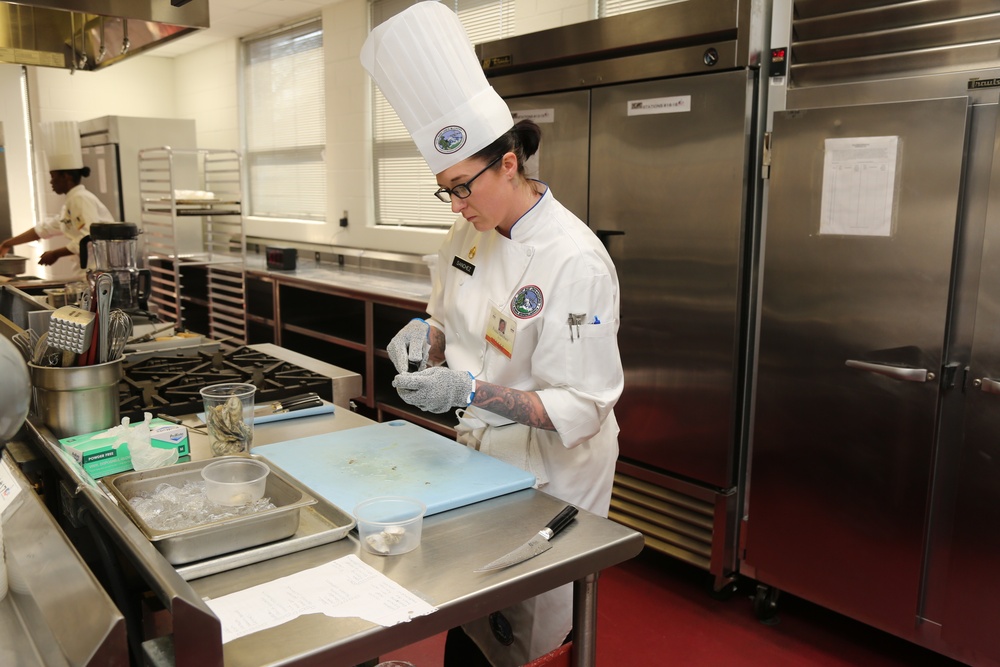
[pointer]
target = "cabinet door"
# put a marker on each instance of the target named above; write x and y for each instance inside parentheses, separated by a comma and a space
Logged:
(668, 172)
(851, 312)
(971, 604)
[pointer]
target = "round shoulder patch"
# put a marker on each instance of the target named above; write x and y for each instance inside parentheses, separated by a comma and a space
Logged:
(449, 139)
(527, 302)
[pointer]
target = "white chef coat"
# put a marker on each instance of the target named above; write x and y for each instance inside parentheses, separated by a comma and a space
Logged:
(81, 209)
(553, 266)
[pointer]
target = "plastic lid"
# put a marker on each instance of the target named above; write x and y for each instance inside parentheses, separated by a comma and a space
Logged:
(113, 231)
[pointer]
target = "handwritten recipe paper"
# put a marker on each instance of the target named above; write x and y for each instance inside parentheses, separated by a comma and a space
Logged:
(342, 588)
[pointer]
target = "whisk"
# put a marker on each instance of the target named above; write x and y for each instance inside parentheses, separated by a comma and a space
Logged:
(119, 331)
(23, 341)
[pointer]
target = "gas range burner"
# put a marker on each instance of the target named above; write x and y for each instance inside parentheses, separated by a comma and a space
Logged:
(172, 385)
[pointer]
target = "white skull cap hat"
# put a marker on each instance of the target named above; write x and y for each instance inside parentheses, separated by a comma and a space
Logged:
(61, 143)
(425, 65)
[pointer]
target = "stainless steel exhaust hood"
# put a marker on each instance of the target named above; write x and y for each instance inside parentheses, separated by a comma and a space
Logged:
(92, 34)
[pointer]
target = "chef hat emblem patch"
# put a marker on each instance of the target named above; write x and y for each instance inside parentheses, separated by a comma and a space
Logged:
(527, 302)
(450, 139)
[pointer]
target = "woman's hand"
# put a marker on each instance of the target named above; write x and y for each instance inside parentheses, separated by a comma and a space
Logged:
(436, 389)
(4, 249)
(49, 257)
(409, 348)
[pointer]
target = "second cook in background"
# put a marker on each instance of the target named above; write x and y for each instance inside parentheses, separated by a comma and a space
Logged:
(61, 141)
(522, 334)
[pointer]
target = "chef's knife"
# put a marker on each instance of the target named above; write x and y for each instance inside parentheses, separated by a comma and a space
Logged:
(540, 543)
(292, 403)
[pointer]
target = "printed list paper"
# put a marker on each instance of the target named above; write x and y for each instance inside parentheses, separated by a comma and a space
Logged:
(342, 588)
(859, 180)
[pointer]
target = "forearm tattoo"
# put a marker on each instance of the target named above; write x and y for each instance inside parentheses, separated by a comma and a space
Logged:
(524, 407)
(435, 355)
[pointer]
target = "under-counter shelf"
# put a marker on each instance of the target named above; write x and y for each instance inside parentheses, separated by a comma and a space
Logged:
(340, 317)
(328, 317)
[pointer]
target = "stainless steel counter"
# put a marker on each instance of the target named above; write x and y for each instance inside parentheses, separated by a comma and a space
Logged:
(346, 384)
(391, 284)
(440, 571)
(56, 612)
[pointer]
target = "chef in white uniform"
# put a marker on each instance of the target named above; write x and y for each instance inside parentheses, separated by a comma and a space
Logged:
(61, 143)
(522, 334)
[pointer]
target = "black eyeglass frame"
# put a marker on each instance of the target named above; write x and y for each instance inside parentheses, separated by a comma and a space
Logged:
(445, 194)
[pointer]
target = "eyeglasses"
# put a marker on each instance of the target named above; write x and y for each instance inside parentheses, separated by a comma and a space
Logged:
(462, 190)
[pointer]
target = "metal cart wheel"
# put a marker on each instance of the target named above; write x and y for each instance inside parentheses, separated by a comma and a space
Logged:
(765, 604)
(725, 590)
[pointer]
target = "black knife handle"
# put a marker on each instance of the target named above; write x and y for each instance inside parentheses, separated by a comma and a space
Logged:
(562, 519)
(298, 398)
(304, 404)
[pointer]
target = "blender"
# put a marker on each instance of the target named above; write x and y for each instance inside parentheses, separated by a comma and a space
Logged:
(112, 249)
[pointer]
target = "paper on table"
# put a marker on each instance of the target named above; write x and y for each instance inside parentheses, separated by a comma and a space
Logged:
(341, 588)
(9, 488)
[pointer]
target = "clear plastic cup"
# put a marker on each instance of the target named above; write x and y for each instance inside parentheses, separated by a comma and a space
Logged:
(229, 417)
(234, 482)
(390, 525)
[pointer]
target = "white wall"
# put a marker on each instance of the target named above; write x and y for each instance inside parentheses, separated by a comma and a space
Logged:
(12, 117)
(141, 86)
(205, 88)
(203, 85)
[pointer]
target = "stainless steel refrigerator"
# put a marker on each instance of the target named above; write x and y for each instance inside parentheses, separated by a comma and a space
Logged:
(649, 133)
(5, 226)
(111, 146)
(873, 475)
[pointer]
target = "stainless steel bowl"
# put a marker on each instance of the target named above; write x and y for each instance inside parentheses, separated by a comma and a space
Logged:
(12, 265)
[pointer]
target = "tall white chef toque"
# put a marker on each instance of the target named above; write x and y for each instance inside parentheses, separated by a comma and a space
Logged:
(425, 65)
(61, 143)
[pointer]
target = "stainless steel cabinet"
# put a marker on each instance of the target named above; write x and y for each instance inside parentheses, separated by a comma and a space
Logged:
(971, 607)
(673, 184)
(563, 156)
(851, 346)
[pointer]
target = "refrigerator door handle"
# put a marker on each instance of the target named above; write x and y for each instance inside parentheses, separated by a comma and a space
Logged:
(895, 372)
(988, 385)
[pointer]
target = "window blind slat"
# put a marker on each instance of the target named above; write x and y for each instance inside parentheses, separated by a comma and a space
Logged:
(285, 111)
(615, 7)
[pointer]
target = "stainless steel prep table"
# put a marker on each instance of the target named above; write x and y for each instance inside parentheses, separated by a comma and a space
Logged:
(440, 571)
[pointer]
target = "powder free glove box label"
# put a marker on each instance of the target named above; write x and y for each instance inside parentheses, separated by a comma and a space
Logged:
(97, 453)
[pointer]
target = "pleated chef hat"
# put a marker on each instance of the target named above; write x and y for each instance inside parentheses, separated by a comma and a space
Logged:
(426, 67)
(61, 143)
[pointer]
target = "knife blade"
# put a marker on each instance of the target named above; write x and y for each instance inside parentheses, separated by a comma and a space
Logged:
(538, 544)
(299, 402)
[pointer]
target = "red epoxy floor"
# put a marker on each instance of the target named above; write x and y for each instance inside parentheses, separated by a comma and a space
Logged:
(655, 610)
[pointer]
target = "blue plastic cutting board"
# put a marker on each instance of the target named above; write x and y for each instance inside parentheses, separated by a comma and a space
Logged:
(394, 458)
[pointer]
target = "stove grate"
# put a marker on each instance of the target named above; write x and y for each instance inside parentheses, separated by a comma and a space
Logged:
(172, 385)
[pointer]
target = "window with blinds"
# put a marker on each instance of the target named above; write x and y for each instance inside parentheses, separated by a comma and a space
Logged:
(615, 7)
(285, 113)
(404, 186)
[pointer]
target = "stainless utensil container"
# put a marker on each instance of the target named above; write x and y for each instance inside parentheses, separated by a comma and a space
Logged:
(78, 399)
(218, 537)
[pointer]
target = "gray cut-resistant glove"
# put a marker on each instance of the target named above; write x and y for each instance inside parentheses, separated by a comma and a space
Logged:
(409, 348)
(436, 389)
